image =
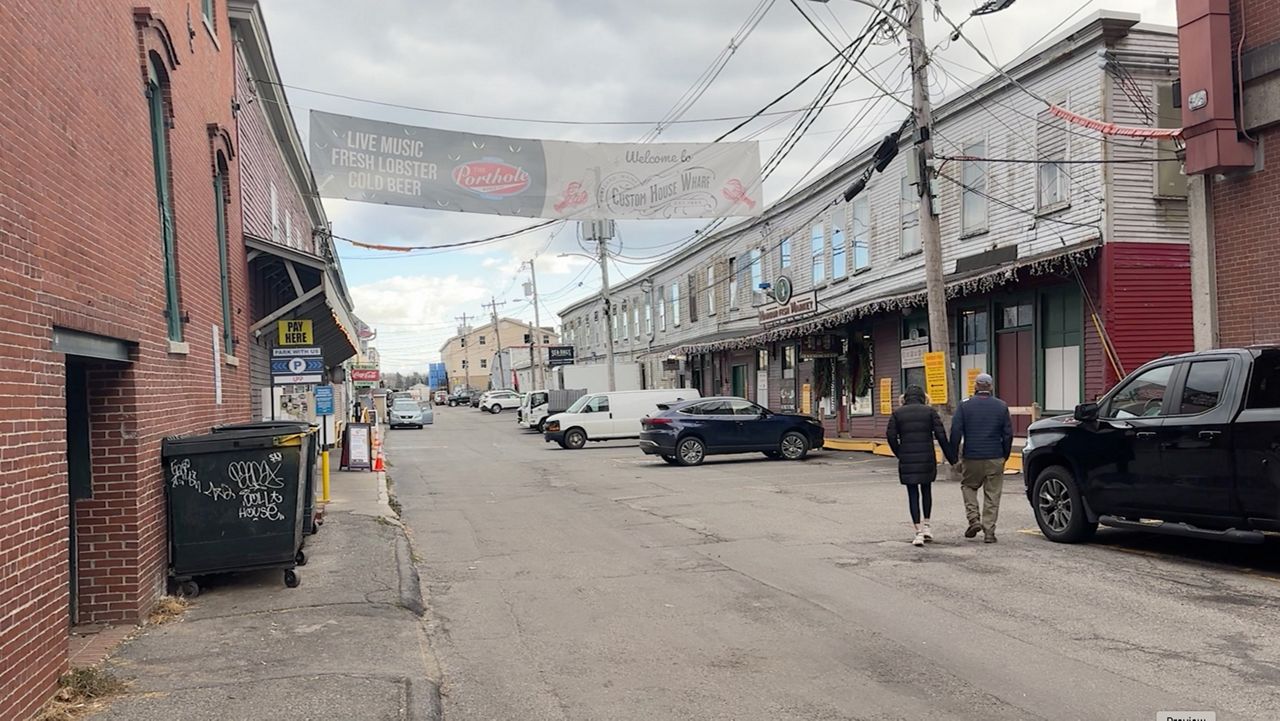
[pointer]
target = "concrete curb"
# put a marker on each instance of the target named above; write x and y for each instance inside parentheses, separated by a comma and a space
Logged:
(410, 584)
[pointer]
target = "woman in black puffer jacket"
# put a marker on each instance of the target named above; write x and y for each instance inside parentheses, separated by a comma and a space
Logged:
(913, 428)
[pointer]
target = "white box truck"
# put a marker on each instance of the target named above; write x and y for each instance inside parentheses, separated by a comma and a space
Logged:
(595, 377)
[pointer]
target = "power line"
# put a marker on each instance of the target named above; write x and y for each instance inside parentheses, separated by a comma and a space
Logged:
(1111, 161)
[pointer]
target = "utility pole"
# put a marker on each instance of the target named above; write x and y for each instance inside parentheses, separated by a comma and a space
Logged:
(492, 305)
(601, 231)
(463, 331)
(538, 379)
(930, 235)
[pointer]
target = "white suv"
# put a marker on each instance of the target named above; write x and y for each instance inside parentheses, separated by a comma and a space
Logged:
(500, 400)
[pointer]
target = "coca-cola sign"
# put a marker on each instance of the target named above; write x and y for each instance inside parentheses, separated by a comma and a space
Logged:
(491, 178)
(365, 374)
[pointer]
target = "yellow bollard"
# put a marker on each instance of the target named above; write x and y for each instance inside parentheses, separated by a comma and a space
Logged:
(324, 476)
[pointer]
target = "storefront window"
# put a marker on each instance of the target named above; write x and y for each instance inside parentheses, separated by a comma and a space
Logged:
(915, 342)
(974, 344)
(789, 361)
(861, 374)
(1061, 334)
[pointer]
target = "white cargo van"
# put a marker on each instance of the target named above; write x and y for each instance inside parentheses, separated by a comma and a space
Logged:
(606, 416)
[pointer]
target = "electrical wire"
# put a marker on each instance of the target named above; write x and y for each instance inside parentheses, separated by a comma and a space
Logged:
(851, 62)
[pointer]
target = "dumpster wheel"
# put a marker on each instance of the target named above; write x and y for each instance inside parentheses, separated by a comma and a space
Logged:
(189, 589)
(291, 578)
(300, 558)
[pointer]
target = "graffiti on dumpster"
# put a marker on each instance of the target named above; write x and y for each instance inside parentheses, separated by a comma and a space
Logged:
(183, 474)
(259, 485)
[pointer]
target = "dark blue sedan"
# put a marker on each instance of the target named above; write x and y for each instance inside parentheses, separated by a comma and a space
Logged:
(685, 433)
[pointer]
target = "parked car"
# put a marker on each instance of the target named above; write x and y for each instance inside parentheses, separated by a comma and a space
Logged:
(686, 433)
(497, 401)
(441, 397)
(408, 412)
(539, 405)
(1186, 445)
(461, 398)
(608, 416)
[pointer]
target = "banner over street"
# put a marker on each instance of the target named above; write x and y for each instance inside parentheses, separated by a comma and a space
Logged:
(393, 164)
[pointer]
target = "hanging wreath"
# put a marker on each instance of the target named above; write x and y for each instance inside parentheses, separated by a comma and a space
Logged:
(860, 372)
(822, 377)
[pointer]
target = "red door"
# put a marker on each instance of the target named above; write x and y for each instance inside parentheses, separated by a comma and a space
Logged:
(1014, 373)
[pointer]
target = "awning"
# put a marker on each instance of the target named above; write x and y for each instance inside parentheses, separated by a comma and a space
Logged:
(298, 285)
(958, 285)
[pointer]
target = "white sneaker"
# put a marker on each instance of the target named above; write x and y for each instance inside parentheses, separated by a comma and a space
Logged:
(919, 539)
(926, 534)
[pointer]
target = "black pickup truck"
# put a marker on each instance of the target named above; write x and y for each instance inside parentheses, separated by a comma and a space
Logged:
(1186, 445)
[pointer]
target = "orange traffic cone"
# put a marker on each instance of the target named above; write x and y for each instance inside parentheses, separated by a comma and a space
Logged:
(377, 463)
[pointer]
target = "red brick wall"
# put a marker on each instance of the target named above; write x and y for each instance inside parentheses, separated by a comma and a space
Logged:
(1245, 218)
(262, 166)
(80, 248)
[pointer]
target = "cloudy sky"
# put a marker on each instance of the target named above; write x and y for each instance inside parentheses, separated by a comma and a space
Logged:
(590, 60)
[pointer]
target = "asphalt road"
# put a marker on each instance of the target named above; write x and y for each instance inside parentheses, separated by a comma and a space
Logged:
(601, 584)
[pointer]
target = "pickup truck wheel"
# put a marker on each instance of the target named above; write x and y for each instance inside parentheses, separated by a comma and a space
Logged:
(1058, 506)
(575, 438)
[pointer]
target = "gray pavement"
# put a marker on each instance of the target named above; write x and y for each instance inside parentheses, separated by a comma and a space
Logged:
(599, 584)
(346, 644)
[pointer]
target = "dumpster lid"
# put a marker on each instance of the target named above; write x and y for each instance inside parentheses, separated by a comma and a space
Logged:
(228, 441)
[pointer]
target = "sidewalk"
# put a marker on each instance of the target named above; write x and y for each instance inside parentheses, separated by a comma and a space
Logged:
(346, 644)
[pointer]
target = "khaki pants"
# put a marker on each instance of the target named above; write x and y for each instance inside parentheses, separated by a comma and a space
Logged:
(988, 475)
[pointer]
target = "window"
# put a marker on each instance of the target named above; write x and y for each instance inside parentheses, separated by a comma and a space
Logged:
(635, 319)
(158, 107)
(908, 218)
(973, 190)
(1062, 335)
(733, 282)
(220, 199)
(206, 11)
(762, 360)
(818, 253)
(1051, 150)
(1169, 180)
(622, 324)
(711, 290)
(275, 215)
(484, 363)
(288, 229)
(1015, 315)
(839, 266)
(1203, 387)
(1143, 396)
(974, 339)
(756, 273)
(693, 297)
(648, 319)
(1264, 386)
(789, 361)
(598, 404)
(662, 307)
(675, 304)
(546, 339)
(481, 340)
(861, 233)
(784, 253)
(744, 408)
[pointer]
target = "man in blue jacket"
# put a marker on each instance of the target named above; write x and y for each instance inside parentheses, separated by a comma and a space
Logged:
(983, 426)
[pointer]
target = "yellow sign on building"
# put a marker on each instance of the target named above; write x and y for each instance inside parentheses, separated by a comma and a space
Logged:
(886, 396)
(806, 400)
(294, 332)
(935, 377)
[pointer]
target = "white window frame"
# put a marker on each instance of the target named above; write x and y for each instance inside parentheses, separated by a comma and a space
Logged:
(854, 234)
(818, 254)
(908, 217)
(675, 304)
(972, 224)
(662, 308)
(1060, 178)
(785, 250)
(733, 283)
(711, 290)
(838, 217)
(756, 274)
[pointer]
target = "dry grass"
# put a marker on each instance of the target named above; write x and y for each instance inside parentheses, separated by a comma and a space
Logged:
(168, 608)
(80, 691)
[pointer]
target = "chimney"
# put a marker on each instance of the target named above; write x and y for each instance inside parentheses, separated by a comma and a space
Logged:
(1205, 57)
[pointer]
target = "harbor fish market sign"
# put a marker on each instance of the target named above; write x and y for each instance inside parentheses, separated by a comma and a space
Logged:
(393, 164)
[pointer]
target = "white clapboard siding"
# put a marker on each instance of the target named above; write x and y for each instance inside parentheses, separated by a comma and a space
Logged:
(1138, 215)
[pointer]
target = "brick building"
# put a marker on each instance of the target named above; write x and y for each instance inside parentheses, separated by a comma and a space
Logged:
(127, 301)
(1230, 80)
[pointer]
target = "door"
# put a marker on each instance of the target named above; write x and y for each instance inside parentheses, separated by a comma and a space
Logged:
(1014, 373)
(596, 418)
(79, 468)
(1257, 445)
(1120, 453)
(1196, 442)
(755, 428)
(738, 381)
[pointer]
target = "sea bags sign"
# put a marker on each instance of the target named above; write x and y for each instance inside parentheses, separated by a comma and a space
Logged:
(393, 164)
